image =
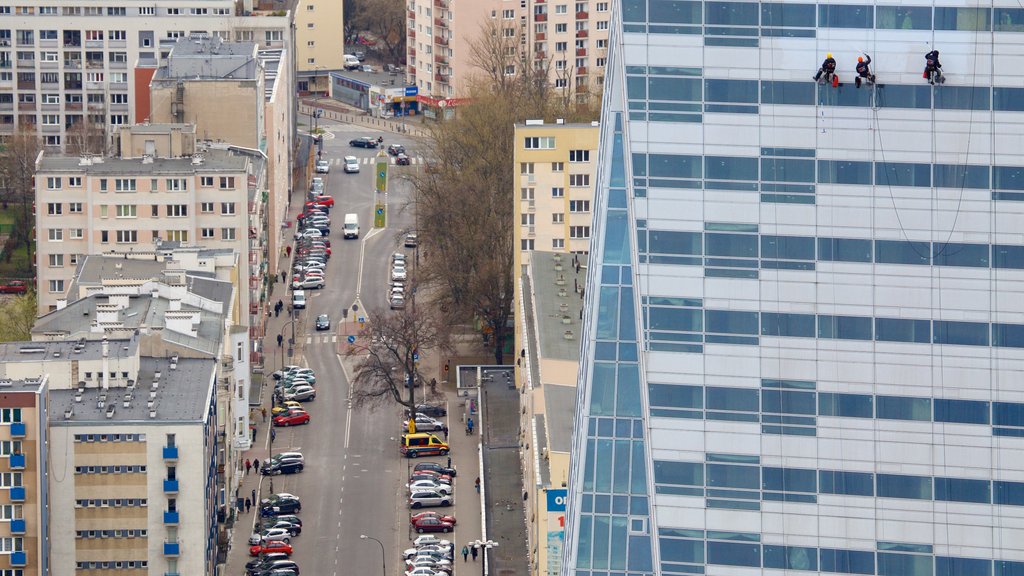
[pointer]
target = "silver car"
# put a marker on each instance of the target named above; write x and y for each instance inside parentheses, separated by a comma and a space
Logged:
(425, 498)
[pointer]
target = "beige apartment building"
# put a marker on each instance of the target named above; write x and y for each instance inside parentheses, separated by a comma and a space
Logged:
(76, 62)
(319, 43)
(568, 41)
(553, 209)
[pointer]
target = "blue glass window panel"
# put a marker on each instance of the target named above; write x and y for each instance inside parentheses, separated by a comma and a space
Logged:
(734, 553)
(1009, 493)
(737, 245)
(602, 393)
(616, 237)
(842, 16)
(788, 402)
(602, 503)
(730, 322)
(638, 475)
(960, 176)
(782, 92)
(902, 252)
(787, 247)
(789, 479)
(1008, 99)
(847, 561)
(617, 552)
(733, 476)
(902, 174)
(628, 390)
(1007, 414)
(844, 95)
(844, 172)
(973, 19)
(675, 550)
(1007, 568)
(844, 249)
(791, 558)
(963, 98)
(634, 10)
(731, 13)
(903, 486)
(788, 15)
(792, 325)
(845, 405)
(605, 427)
(674, 89)
(962, 333)
(678, 473)
(730, 167)
(947, 566)
(905, 547)
(620, 471)
(684, 319)
(741, 91)
(1004, 256)
(1008, 20)
(676, 395)
(904, 95)
(627, 323)
(671, 242)
(736, 399)
(846, 483)
(956, 254)
(963, 490)
(638, 506)
(675, 12)
(903, 17)
(904, 408)
(674, 166)
(892, 564)
(602, 527)
(1008, 335)
(732, 504)
(902, 330)
(603, 466)
(623, 427)
(608, 317)
(792, 384)
(640, 554)
(844, 327)
(961, 411)
(609, 274)
(605, 351)
(585, 541)
(636, 87)
(1008, 178)
(639, 160)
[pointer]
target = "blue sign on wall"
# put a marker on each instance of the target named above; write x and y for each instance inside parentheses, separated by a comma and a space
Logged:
(556, 500)
(412, 90)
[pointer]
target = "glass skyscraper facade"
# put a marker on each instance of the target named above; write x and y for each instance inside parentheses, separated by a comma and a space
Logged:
(803, 348)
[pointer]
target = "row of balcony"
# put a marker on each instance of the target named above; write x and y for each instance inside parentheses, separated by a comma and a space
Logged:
(440, 23)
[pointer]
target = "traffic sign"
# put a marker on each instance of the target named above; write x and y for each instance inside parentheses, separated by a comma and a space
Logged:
(351, 339)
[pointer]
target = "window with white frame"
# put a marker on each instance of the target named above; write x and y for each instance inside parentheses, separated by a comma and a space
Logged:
(76, 233)
(74, 207)
(177, 235)
(579, 155)
(577, 206)
(227, 182)
(206, 233)
(177, 210)
(56, 261)
(227, 233)
(558, 218)
(539, 142)
(526, 193)
(227, 208)
(558, 166)
(558, 243)
(601, 6)
(56, 286)
(526, 244)
(527, 219)
(561, 9)
(206, 181)
(54, 208)
(127, 211)
(75, 181)
(561, 28)
(124, 184)
(55, 234)
(579, 180)
(206, 207)
(526, 167)
(127, 236)
(579, 231)
(602, 25)
(53, 183)
(558, 192)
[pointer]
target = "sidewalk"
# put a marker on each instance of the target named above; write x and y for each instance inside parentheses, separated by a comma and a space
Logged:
(340, 112)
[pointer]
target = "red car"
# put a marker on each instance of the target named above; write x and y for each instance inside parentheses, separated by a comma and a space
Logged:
(430, 524)
(327, 201)
(271, 547)
(13, 287)
(293, 418)
(431, 513)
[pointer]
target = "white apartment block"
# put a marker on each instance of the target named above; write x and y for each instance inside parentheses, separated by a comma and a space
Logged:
(60, 64)
(570, 41)
(95, 206)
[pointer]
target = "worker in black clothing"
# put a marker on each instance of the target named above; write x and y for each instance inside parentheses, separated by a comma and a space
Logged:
(933, 68)
(828, 68)
(863, 70)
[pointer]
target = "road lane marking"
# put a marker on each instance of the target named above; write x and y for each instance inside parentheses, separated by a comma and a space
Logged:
(348, 411)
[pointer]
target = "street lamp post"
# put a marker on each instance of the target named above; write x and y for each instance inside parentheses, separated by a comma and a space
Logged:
(483, 546)
(383, 567)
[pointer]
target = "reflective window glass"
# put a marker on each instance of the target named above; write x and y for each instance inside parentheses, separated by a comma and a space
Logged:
(679, 473)
(892, 564)
(904, 408)
(789, 479)
(1008, 99)
(634, 10)
(678, 89)
(847, 483)
(962, 411)
(1007, 414)
(902, 252)
(1004, 256)
(787, 247)
(787, 15)
(963, 490)
(683, 319)
(847, 561)
(743, 91)
(787, 170)
(790, 557)
(904, 95)
(674, 12)
(736, 245)
(674, 166)
(844, 249)
(972, 19)
(844, 327)
(902, 174)
(960, 176)
(730, 168)
(903, 330)
(732, 476)
(1008, 178)
(954, 254)
(734, 554)
(901, 486)
(783, 324)
(947, 566)
(845, 16)
(730, 322)
(670, 242)
(903, 17)
(736, 399)
(1009, 20)
(781, 92)
(963, 98)
(844, 172)
(1008, 335)
(676, 395)
(962, 333)
(1009, 493)
(731, 13)
(845, 405)
(789, 402)
(676, 550)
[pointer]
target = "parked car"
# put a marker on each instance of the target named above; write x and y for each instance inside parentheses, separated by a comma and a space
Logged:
(285, 407)
(269, 547)
(427, 476)
(322, 201)
(309, 233)
(411, 240)
(270, 535)
(402, 160)
(289, 518)
(398, 273)
(396, 302)
(367, 68)
(431, 513)
(323, 166)
(425, 423)
(363, 142)
(305, 376)
(323, 322)
(301, 393)
(435, 467)
(431, 540)
(443, 548)
(431, 524)
(396, 149)
(429, 561)
(293, 418)
(424, 498)
(282, 467)
(431, 410)
(424, 571)
(430, 485)
(311, 281)
(351, 165)
(266, 560)
(282, 503)
(13, 287)
(270, 566)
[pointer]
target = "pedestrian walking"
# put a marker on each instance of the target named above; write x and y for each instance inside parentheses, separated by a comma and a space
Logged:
(277, 312)
(288, 250)
(248, 505)
(273, 434)
(280, 340)
(253, 434)
(256, 465)
(469, 426)
(474, 552)
(445, 430)
(477, 484)
(449, 463)
(465, 553)
(264, 410)
(248, 466)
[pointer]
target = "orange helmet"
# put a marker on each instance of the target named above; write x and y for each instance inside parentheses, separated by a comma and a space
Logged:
(860, 58)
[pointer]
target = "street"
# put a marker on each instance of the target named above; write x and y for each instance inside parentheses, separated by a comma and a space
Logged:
(354, 478)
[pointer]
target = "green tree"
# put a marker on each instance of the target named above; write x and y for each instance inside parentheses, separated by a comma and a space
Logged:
(17, 316)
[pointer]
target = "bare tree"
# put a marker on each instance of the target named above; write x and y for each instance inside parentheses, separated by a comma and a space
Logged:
(388, 369)
(17, 317)
(86, 138)
(385, 19)
(18, 166)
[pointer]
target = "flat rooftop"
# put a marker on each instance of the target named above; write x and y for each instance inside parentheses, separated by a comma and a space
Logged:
(183, 395)
(81, 350)
(209, 58)
(208, 161)
(560, 406)
(557, 281)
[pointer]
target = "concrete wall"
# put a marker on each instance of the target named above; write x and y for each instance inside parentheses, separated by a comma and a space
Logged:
(227, 111)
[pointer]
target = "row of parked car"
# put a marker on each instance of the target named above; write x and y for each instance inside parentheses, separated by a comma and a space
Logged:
(295, 384)
(430, 484)
(429, 556)
(271, 545)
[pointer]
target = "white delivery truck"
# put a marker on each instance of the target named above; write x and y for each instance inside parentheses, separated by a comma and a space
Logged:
(351, 62)
(351, 229)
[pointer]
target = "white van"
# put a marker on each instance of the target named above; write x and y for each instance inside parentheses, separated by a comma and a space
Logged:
(351, 62)
(351, 226)
(299, 299)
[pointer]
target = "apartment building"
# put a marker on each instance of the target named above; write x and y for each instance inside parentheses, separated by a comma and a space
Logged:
(803, 329)
(319, 44)
(556, 164)
(566, 41)
(548, 312)
(91, 206)
(24, 547)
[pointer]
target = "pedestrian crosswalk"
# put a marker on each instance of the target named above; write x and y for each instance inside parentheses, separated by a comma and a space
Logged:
(322, 339)
(413, 160)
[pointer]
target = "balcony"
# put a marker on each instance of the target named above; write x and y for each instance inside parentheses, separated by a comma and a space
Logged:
(541, 35)
(581, 33)
(17, 429)
(19, 558)
(18, 526)
(17, 494)
(412, 33)
(539, 55)
(442, 4)
(26, 64)
(412, 70)
(582, 15)
(170, 486)
(73, 64)
(440, 59)
(581, 71)
(440, 41)
(171, 518)
(172, 548)
(17, 461)
(24, 106)
(412, 15)
(540, 17)
(440, 23)
(581, 51)
(412, 52)
(443, 78)
(26, 84)
(170, 452)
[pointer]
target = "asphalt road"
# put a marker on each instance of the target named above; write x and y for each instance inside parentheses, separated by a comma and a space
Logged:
(353, 482)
